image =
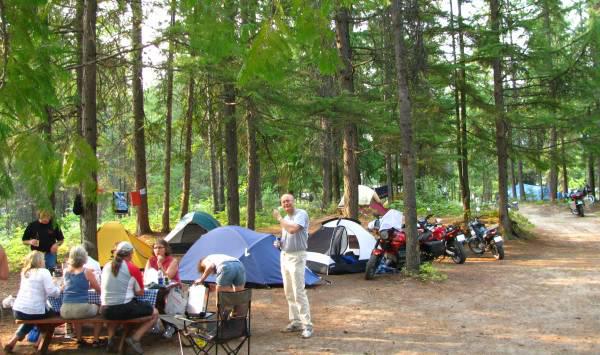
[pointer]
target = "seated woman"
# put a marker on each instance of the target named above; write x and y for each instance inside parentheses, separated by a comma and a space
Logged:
(121, 281)
(162, 261)
(30, 304)
(78, 280)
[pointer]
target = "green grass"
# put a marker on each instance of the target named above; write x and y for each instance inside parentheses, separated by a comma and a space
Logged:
(428, 272)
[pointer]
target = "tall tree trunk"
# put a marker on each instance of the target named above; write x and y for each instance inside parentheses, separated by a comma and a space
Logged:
(89, 123)
(212, 134)
(388, 174)
(501, 124)
(553, 178)
(407, 145)
(166, 227)
(565, 184)
(47, 130)
(523, 197)
(233, 195)
(187, 160)
(137, 88)
(336, 183)
(252, 168)
(326, 161)
(221, 180)
(350, 131)
(259, 204)
(327, 83)
(591, 177)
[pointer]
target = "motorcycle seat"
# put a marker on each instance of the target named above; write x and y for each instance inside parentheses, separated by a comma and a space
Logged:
(425, 236)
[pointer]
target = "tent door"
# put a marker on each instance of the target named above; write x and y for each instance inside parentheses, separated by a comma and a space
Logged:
(339, 242)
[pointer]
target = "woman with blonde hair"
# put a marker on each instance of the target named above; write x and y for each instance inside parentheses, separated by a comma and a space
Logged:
(30, 304)
(75, 304)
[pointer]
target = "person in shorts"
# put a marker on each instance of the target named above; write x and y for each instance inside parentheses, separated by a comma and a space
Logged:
(121, 282)
(231, 274)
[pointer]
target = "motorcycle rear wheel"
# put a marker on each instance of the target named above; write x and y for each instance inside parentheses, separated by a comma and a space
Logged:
(580, 210)
(474, 246)
(459, 256)
(497, 251)
(371, 267)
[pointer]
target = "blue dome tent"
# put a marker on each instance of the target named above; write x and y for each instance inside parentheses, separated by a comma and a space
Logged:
(255, 250)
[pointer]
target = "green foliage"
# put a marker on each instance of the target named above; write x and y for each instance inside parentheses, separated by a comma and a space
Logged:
(38, 167)
(79, 164)
(428, 272)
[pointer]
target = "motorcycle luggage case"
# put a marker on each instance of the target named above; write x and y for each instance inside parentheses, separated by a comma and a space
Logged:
(433, 248)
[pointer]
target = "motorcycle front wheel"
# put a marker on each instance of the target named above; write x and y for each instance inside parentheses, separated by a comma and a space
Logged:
(459, 256)
(580, 210)
(372, 264)
(474, 246)
(497, 251)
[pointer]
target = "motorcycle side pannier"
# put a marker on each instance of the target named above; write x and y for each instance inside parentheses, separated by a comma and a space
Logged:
(434, 248)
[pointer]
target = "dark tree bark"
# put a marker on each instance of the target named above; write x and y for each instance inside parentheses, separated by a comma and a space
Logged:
(252, 168)
(137, 88)
(89, 128)
(523, 197)
(233, 195)
(350, 131)
(168, 134)
(214, 164)
(389, 173)
(335, 176)
(501, 124)
(460, 98)
(407, 146)
(326, 161)
(187, 160)
(221, 194)
(591, 177)
(565, 182)
(259, 204)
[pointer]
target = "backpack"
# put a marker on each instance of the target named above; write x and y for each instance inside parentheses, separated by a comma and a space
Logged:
(78, 205)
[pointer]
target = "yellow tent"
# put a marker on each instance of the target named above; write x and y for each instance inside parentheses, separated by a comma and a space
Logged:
(112, 232)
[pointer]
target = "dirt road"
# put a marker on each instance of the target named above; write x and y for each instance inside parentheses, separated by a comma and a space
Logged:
(543, 298)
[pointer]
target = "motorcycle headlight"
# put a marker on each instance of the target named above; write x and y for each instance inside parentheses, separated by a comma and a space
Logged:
(384, 235)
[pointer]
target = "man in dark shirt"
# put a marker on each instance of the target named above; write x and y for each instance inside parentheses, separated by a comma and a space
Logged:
(42, 235)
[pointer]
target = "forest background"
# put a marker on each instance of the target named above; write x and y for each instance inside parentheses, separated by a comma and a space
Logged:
(450, 104)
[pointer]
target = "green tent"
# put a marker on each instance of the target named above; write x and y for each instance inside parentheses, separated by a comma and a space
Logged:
(189, 229)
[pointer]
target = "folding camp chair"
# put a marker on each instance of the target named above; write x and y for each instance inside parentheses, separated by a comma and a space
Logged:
(231, 324)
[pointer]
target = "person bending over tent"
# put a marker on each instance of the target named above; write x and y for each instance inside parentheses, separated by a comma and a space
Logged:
(231, 274)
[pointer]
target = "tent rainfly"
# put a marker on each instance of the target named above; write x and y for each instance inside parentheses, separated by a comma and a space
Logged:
(340, 246)
(111, 233)
(189, 229)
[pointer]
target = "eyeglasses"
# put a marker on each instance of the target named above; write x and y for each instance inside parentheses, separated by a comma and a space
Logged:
(158, 247)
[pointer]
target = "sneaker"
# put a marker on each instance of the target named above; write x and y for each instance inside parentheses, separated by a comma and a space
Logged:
(168, 333)
(306, 333)
(135, 345)
(292, 327)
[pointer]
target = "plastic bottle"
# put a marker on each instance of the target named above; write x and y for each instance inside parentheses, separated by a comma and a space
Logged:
(161, 278)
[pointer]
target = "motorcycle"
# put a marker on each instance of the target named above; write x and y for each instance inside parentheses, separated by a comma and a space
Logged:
(451, 236)
(483, 238)
(390, 248)
(577, 202)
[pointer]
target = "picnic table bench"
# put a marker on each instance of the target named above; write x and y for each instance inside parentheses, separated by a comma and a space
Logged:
(47, 326)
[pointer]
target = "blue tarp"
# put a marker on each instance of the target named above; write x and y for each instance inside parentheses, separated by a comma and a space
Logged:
(532, 192)
(255, 250)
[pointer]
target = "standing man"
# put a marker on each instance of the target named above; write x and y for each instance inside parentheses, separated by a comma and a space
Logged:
(294, 242)
(42, 235)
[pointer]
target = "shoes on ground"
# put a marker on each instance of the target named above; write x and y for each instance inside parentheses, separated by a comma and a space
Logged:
(292, 327)
(135, 345)
(307, 333)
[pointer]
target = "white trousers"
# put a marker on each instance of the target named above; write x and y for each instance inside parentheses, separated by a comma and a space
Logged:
(292, 270)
